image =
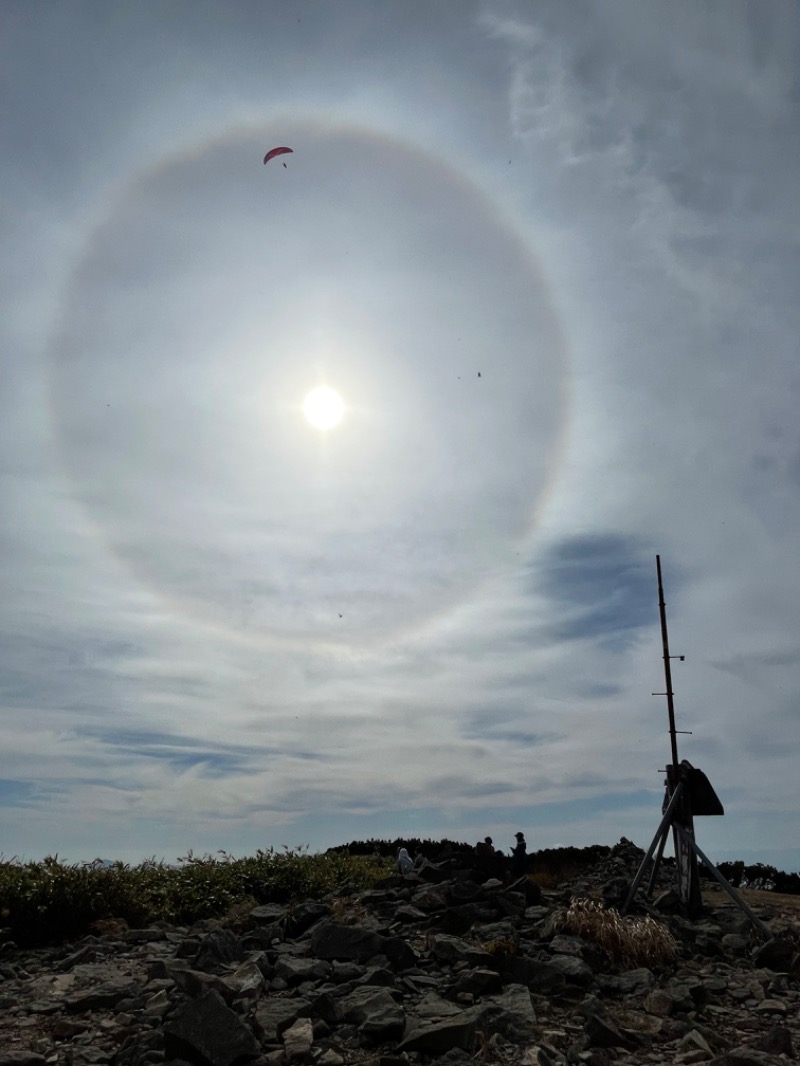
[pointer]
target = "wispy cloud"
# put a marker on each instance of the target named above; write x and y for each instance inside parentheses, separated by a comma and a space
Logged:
(598, 587)
(221, 630)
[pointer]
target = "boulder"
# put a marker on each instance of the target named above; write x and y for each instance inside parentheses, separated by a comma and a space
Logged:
(407, 982)
(298, 1038)
(375, 1012)
(206, 1032)
(217, 949)
(330, 940)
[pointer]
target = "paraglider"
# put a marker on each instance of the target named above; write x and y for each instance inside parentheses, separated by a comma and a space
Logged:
(276, 151)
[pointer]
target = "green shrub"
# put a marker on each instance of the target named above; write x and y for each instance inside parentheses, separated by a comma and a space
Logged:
(50, 902)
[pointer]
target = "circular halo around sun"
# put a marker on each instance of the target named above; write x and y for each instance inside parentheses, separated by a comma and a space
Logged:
(323, 407)
(176, 411)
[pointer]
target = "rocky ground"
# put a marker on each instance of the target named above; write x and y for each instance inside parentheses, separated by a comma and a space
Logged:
(428, 968)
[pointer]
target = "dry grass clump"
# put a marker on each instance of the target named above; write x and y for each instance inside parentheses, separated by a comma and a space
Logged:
(348, 910)
(502, 947)
(630, 942)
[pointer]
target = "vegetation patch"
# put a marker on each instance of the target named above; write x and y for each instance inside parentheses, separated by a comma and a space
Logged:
(348, 910)
(501, 947)
(629, 941)
(50, 902)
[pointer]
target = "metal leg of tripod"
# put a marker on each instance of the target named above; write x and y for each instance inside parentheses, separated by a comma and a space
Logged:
(734, 895)
(658, 839)
(656, 865)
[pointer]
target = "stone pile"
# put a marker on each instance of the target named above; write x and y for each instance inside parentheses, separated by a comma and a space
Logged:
(428, 968)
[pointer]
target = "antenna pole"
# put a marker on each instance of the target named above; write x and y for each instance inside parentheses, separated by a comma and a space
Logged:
(687, 793)
(662, 608)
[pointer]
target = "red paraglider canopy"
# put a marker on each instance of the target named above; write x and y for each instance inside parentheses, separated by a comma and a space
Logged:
(276, 151)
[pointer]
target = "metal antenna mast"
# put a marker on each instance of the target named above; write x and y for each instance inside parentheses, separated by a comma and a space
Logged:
(662, 610)
(688, 793)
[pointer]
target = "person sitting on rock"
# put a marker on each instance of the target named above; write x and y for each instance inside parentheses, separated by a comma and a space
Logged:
(519, 857)
(405, 864)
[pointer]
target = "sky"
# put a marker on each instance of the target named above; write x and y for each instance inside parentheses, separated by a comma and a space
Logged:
(547, 256)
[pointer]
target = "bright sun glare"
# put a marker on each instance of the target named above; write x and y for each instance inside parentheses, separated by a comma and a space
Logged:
(323, 407)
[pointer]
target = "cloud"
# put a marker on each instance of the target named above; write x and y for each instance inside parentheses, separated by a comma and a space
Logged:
(598, 586)
(220, 628)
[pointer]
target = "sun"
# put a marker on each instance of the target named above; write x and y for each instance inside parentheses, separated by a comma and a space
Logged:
(323, 407)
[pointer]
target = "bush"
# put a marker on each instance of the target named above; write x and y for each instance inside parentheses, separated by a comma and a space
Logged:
(50, 902)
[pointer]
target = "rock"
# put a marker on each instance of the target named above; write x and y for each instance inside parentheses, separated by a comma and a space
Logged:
(633, 983)
(304, 916)
(452, 949)
(377, 975)
(246, 981)
(615, 892)
(736, 943)
(405, 984)
(207, 1033)
(333, 1058)
(375, 1012)
(437, 1037)
(294, 971)
(407, 913)
(744, 1056)
(575, 971)
(143, 936)
(477, 982)
(268, 913)
(399, 953)
(509, 1012)
(539, 976)
(85, 953)
(567, 945)
(156, 1005)
(660, 1003)
(603, 1033)
(771, 1006)
(100, 997)
(694, 1040)
(217, 949)
(298, 1038)
(66, 1028)
(777, 1041)
(432, 1005)
(330, 940)
(668, 902)
(274, 1015)
(775, 954)
(345, 971)
(639, 1021)
(537, 1056)
(194, 982)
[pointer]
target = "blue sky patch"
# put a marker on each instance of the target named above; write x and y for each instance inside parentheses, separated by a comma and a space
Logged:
(14, 792)
(601, 586)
